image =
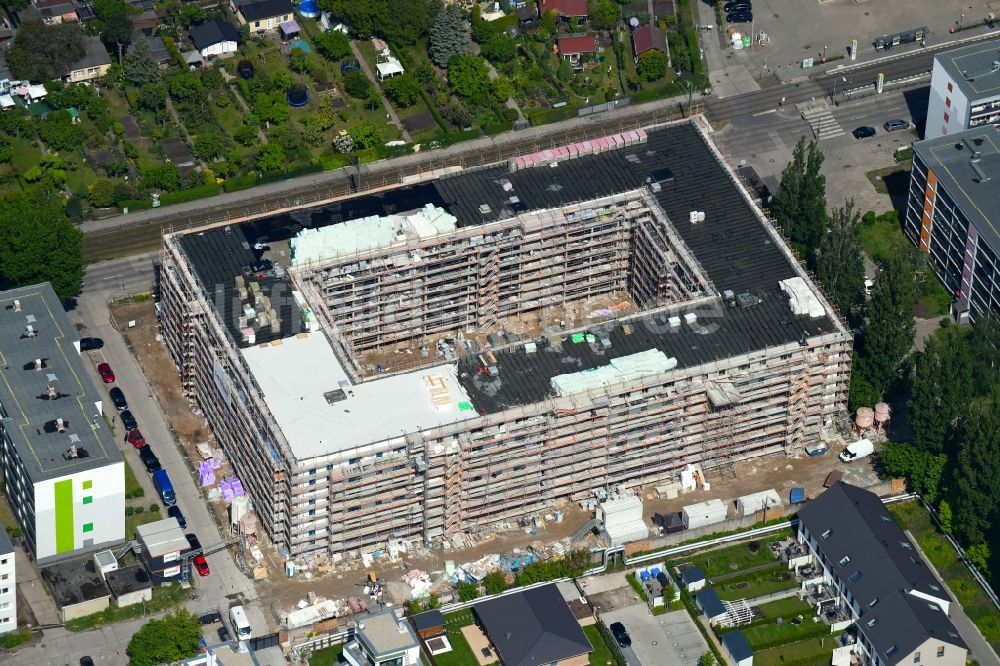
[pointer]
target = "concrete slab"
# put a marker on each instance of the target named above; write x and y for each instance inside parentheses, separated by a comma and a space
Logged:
(672, 638)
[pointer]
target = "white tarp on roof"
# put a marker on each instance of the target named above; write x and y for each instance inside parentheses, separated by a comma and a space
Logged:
(6, 101)
(624, 368)
(801, 298)
(37, 92)
(303, 617)
(389, 68)
(632, 530)
(369, 233)
(750, 504)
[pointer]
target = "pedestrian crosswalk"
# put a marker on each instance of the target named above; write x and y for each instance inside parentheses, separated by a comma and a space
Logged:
(822, 122)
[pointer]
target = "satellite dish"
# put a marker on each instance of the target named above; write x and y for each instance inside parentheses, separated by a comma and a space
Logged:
(634, 22)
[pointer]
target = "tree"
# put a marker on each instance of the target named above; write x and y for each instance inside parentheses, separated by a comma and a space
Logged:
(707, 659)
(652, 65)
(495, 582)
(984, 345)
(403, 90)
(357, 85)
(102, 193)
(209, 146)
(499, 49)
(979, 555)
(942, 387)
(800, 204)
(40, 245)
(604, 14)
(332, 45)
(399, 21)
(59, 132)
(298, 60)
(924, 470)
(547, 24)
(449, 36)
(246, 135)
(468, 591)
(975, 481)
(42, 53)
(115, 23)
(270, 157)
(191, 13)
(469, 78)
(171, 639)
(501, 89)
(152, 97)
(139, 66)
(944, 515)
(565, 71)
(889, 333)
(343, 143)
(163, 176)
(839, 266)
(364, 135)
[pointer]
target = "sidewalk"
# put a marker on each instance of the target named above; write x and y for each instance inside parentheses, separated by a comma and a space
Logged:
(389, 111)
(728, 75)
(33, 589)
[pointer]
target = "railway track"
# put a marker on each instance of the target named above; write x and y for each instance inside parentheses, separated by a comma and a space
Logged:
(141, 235)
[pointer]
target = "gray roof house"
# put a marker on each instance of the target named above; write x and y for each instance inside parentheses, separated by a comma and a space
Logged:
(383, 638)
(709, 604)
(735, 645)
(693, 579)
(899, 605)
(532, 627)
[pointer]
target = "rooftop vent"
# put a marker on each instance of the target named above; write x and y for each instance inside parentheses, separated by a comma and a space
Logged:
(337, 395)
(696, 216)
(17, 305)
(52, 392)
(29, 332)
(996, 65)
(60, 425)
(485, 209)
(976, 154)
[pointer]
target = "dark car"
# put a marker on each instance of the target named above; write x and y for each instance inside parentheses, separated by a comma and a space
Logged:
(214, 617)
(129, 421)
(223, 634)
(193, 541)
(86, 661)
(618, 631)
(175, 512)
(863, 132)
(739, 17)
(135, 438)
(896, 124)
(118, 398)
(91, 344)
(738, 5)
(107, 374)
(149, 458)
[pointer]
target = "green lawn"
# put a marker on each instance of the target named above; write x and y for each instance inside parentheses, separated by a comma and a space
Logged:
(732, 559)
(132, 487)
(881, 238)
(327, 657)
(771, 633)
(136, 519)
(977, 605)
(163, 598)
(26, 154)
(891, 180)
(461, 654)
(808, 652)
(786, 608)
(601, 656)
(756, 584)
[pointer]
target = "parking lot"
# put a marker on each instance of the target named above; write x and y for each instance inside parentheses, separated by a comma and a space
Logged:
(832, 24)
(672, 638)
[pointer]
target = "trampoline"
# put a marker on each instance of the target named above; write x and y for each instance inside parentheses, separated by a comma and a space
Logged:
(309, 8)
(298, 95)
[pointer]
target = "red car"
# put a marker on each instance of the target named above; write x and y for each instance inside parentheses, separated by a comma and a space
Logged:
(106, 373)
(201, 564)
(135, 438)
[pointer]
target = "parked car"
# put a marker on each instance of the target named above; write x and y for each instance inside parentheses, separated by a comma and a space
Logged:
(148, 458)
(175, 512)
(896, 124)
(223, 634)
(91, 344)
(135, 438)
(106, 373)
(739, 17)
(863, 132)
(201, 564)
(86, 661)
(214, 617)
(128, 420)
(118, 398)
(738, 5)
(618, 631)
(193, 541)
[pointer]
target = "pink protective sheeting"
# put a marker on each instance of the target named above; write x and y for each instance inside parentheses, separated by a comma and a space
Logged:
(574, 150)
(619, 140)
(642, 134)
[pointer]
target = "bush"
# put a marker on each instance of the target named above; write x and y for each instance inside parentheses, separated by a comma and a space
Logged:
(138, 510)
(191, 194)
(468, 591)
(129, 510)
(357, 85)
(154, 508)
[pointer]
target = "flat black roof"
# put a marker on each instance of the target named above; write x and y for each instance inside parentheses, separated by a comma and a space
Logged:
(128, 579)
(431, 619)
(75, 581)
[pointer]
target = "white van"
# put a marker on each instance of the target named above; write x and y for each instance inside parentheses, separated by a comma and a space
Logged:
(240, 622)
(857, 450)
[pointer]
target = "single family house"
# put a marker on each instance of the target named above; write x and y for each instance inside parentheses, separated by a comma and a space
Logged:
(215, 39)
(262, 15)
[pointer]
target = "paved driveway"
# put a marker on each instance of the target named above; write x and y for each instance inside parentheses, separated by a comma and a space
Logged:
(665, 639)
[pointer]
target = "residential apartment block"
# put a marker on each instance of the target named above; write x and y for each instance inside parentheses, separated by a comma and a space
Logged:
(64, 475)
(480, 346)
(953, 215)
(965, 89)
(899, 607)
(8, 582)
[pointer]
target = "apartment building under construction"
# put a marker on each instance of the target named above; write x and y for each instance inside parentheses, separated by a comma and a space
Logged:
(481, 345)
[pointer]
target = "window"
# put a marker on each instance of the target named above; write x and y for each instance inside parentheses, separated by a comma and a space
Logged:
(88, 499)
(916, 657)
(950, 87)
(891, 650)
(946, 117)
(826, 533)
(906, 544)
(935, 587)
(256, 24)
(856, 576)
(872, 622)
(940, 651)
(4, 590)
(88, 527)
(873, 602)
(947, 102)
(845, 559)
(87, 485)
(885, 518)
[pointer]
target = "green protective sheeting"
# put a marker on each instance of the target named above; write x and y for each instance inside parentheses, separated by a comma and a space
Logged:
(64, 516)
(578, 337)
(465, 407)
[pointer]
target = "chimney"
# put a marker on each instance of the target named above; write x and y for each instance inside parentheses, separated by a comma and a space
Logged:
(38, 364)
(72, 451)
(17, 305)
(60, 425)
(53, 394)
(29, 331)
